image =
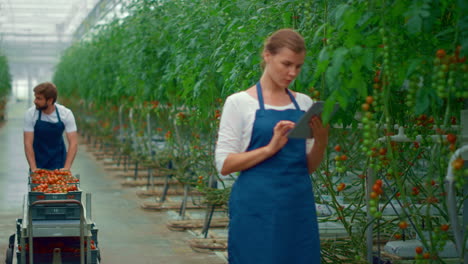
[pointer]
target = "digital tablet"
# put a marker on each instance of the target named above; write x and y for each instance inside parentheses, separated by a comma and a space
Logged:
(302, 128)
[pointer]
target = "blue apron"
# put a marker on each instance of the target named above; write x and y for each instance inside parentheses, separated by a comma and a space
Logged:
(49, 147)
(272, 209)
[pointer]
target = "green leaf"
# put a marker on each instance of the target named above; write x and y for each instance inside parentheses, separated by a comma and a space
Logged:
(414, 24)
(357, 82)
(339, 12)
(422, 104)
(337, 61)
(413, 64)
(327, 111)
(364, 18)
(323, 55)
(319, 33)
(368, 59)
(287, 19)
(342, 98)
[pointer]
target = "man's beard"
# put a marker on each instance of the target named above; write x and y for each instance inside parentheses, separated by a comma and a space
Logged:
(42, 108)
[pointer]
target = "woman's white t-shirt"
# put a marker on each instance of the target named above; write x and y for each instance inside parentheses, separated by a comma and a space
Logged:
(237, 119)
(66, 116)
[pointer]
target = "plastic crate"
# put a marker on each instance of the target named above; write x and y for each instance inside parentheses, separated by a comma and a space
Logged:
(56, 212)
(95, 256)
(36, 196)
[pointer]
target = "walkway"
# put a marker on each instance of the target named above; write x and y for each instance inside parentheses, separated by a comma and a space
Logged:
(127, 234)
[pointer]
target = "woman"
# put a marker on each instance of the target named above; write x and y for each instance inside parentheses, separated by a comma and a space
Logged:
(271, 208)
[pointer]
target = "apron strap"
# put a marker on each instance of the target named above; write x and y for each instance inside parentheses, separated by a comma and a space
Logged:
(58, 115)
(260, 97)
(293, 99)
(56, 110)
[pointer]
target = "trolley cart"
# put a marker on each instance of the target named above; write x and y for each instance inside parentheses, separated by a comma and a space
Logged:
(50, 228)
(62, 224)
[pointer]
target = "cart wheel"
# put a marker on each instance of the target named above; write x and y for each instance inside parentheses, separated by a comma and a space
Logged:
(9, 256)
(9, 252)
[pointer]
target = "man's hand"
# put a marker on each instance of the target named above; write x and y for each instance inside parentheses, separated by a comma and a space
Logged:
(72, 138)
(29, 150)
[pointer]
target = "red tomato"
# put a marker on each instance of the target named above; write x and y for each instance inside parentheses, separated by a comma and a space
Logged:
(451, 138)
(444, 227)
(419, 250)
(379, 182)
(441, 53)
(458, 163)
(403, 225)
(365, 107)
(341, 187)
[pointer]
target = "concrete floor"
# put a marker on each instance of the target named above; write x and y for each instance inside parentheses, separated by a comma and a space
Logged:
(127, 234)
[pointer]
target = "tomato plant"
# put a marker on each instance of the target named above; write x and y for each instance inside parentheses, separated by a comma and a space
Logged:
(5, 83)
(397, 69)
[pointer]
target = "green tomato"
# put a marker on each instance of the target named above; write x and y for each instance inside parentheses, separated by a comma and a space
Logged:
(450, 81)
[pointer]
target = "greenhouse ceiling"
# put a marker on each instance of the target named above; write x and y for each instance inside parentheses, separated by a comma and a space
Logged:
(33, 33)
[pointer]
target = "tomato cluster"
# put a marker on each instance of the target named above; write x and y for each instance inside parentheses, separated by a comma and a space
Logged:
(369, 126)
(314, 93)
(340, 168)
(55, 188)
(375, 197)
(53, 181)
(449, 74)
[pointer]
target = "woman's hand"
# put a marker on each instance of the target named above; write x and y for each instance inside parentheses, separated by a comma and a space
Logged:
(315, 156)
(245, 160)
(320, 131)
(280, 136)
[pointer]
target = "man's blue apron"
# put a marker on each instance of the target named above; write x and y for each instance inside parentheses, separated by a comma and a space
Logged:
(49, 147)
(272, 209)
